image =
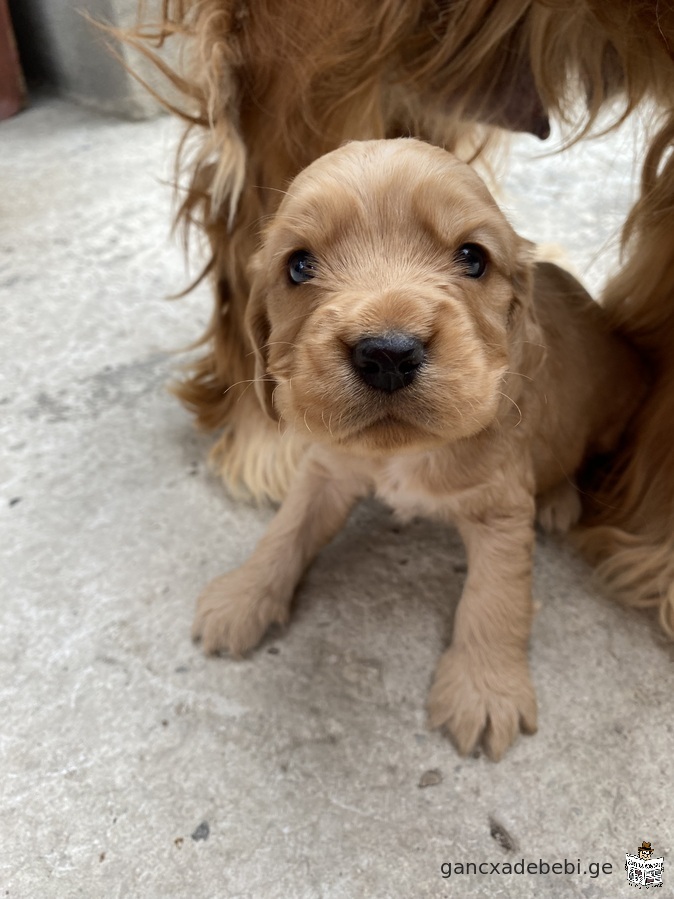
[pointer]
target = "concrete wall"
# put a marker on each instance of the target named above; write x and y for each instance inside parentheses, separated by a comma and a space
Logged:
(61, 47)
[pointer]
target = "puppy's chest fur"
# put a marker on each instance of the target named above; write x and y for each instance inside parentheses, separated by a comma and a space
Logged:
(438, 484)
(409, 496)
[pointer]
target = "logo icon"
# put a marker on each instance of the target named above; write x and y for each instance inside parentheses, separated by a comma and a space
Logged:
(642, 869)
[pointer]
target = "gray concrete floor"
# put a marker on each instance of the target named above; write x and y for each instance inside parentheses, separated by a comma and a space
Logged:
(133, 766)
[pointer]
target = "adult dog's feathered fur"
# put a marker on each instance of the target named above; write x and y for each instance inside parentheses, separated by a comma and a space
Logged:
(270, 86)
(399, 323)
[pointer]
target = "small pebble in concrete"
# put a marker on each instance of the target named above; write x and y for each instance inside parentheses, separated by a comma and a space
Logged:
(431, 778)
(202, 831)
(502, 836)
(15, 500)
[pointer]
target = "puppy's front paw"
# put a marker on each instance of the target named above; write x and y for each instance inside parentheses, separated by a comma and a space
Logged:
(233, 613)
(477, 702)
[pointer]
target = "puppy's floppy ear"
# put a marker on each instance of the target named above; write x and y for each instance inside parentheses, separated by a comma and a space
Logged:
(258, 327)
(523, 324)
(522, 281)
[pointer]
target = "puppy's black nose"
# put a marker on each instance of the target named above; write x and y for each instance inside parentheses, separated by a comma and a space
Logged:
(388, 362)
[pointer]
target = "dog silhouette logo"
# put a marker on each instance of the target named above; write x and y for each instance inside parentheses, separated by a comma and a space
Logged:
(642, 869)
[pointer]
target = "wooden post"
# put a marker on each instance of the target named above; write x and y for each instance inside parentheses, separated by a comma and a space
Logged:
(12, 88)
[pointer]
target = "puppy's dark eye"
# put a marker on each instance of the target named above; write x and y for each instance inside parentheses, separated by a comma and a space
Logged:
(473, 260)
(301, 267)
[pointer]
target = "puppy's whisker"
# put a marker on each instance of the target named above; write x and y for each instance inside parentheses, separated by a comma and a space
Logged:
(263, 346)
(247, 382)
(280, 421)
(510, 399)
(472, 408)
(521, 374)
(243, 392)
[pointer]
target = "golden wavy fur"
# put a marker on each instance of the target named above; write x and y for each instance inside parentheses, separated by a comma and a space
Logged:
(400, 325)
(268, 87)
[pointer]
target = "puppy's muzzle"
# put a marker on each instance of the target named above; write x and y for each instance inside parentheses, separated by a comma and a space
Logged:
(388, 362)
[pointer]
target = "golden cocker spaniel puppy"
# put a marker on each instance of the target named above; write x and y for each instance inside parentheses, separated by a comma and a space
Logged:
(400, 325)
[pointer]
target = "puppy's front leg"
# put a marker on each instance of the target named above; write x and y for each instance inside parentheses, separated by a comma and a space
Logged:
(235, 610)
(482, 689)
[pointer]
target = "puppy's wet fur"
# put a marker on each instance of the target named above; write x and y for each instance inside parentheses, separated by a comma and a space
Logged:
(403, 328)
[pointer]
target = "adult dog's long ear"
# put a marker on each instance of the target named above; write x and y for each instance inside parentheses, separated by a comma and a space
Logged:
(259, 330)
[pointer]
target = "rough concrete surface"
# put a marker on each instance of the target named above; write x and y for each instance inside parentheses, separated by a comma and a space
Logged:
(132, 766)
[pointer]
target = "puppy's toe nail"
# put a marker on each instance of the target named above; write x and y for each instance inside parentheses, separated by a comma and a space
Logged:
(212, 641)
(500, 734)
(496, 750)
(466, 738)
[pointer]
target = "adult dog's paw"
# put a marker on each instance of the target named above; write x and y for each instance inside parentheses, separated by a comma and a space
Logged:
(233, 613)
(477, 702)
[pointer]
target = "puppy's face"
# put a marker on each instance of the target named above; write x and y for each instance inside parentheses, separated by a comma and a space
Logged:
(386, 300)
